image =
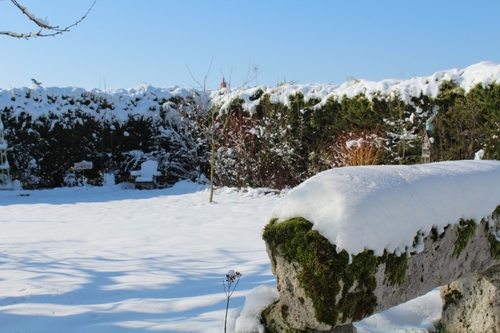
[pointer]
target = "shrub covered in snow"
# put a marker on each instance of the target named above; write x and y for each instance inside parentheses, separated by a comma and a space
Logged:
(49, 129)
(263, 136)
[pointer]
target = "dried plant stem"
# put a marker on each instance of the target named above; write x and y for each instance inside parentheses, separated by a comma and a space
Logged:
(231, 278)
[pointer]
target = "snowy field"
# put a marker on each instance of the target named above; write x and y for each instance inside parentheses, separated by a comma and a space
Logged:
(113, 259)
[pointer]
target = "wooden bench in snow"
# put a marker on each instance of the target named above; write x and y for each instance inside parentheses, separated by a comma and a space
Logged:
(146, 177)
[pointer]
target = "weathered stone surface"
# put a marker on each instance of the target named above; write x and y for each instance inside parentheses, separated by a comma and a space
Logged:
(441, 262)
(275, 323)
(472, 304)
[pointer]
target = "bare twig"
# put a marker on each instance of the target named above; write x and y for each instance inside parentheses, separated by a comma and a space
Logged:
(46, 29)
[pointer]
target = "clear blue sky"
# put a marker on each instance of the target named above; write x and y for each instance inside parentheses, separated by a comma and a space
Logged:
(125, 43)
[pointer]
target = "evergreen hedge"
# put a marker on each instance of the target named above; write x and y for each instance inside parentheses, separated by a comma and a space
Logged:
(275, 145)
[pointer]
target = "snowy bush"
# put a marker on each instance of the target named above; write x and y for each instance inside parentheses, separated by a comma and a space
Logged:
(272, 137)
(71, 179)
(51, 129)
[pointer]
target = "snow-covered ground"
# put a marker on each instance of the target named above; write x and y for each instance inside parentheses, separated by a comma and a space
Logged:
(112, 259)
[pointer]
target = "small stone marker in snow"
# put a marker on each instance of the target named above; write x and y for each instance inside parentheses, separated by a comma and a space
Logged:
(355, 241)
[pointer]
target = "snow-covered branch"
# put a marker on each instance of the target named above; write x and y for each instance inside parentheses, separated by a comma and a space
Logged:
(46, 29)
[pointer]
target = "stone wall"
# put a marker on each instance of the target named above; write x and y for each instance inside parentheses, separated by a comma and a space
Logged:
(458, 253)
(472, 304)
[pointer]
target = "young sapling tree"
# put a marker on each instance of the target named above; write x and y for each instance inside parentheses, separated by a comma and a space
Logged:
(220, 114)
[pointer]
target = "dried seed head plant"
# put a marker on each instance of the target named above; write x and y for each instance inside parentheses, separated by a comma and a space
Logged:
(229, 284)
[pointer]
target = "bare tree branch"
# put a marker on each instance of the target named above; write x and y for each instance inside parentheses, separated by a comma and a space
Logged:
(46, 29)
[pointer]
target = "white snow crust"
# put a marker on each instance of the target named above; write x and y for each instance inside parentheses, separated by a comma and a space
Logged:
(256, 301)
(383, 207)
(141, 99)
(484, 73)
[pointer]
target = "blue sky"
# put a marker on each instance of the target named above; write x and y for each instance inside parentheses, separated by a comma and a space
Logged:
(125, 43)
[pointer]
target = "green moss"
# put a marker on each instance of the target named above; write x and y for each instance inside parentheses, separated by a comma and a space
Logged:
(440, 327)
(434, 234)
(494, 243)
(326, 273)
(466, 229)
(395, 268)
(451, 298)
(271, 326)
(494, 247)
(496, 213)
(417, 239)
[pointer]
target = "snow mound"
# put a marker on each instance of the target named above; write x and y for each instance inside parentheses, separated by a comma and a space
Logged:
(257, 301)
(383, 207)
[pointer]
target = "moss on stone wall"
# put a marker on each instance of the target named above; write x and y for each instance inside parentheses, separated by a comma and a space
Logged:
(496, 213)
(395, 268)
(451, 298)
(326, 273)
(492, 238)
(494, 247)
(466, 230)
(341, 289)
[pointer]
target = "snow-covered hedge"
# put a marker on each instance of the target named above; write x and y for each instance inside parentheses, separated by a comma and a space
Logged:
(50, 129)
(263, 136)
